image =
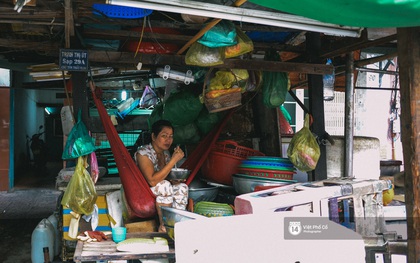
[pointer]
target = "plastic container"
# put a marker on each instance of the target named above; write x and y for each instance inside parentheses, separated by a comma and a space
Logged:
(213, 209)
(272, 165)
(42, 236)
(234, 149)
(57, 239)
(151, 47)
(119, 233)
(272, 174)
(390, 167)
(116, 11)
(328, 84)
(224, 160)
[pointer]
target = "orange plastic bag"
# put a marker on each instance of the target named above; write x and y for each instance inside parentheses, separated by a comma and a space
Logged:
(243, 46)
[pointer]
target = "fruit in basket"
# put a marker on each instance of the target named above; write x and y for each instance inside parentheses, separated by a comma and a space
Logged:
(217, 93)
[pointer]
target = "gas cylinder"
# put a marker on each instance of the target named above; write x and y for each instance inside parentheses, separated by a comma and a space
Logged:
(42, 236)
(57, 241)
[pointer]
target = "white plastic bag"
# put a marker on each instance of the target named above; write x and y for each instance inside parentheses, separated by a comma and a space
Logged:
(149, 98)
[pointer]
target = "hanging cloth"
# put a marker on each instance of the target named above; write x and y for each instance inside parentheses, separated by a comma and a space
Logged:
(140, 198)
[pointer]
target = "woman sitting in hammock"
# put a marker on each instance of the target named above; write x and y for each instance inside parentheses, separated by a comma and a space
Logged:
(155, 163)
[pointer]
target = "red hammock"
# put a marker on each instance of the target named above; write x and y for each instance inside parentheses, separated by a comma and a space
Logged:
(139, 197)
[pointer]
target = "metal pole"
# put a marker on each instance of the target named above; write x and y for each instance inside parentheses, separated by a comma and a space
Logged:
(349, 116)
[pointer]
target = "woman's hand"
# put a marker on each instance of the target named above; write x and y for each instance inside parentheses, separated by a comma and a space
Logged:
(178, 154)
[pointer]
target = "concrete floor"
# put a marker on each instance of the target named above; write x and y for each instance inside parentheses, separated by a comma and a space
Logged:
(33, 198)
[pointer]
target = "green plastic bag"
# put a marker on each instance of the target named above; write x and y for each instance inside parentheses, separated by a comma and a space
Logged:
(275, 84)
(182, 108)
(80, 195)
(222, 34)
(206, 121)
(79, 142)
(186, 134)
(303, 149)
(155, 115)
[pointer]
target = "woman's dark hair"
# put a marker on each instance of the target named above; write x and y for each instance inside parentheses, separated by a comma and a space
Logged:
(158, 126)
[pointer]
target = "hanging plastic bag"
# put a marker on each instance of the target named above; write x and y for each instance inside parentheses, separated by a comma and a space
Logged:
(275, 84)
(186, 134)
(200, 55)
(206, 121)
(80, 195)
(155, 115)
(244, 45)
(182, 108)
(148, 98)
(303, 149)
(79, 142)
(222, 34)
(94, 167)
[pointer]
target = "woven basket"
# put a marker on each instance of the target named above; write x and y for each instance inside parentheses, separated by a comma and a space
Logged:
(223, 102)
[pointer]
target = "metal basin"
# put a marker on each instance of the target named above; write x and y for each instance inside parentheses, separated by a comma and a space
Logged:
(208, 193)
(202, 191)
(171, 216)
(178, 174)
(244, 184)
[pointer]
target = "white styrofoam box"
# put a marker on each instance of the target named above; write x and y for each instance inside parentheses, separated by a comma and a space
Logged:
(260, 238)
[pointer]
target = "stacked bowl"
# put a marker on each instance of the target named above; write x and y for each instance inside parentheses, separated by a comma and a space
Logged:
(259, 172)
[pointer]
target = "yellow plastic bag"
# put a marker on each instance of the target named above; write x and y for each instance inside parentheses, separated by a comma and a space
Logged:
(243, 46)
(80, 195)
(303, 149)
(226, 79)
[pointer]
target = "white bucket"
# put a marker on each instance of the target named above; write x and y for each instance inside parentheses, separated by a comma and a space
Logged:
(366, 157)
(42, 236)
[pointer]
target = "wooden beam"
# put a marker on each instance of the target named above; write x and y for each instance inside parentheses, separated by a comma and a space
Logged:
(360, 44)
(409, 68)
(161, 59)
(128, 59)
(181, 38)
(368, 61)
(17, 44)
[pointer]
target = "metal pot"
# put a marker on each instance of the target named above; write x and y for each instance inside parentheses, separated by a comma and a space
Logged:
(202, 191)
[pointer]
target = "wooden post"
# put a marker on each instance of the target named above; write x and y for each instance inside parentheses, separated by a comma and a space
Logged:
(409, 69)
(316, 103)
